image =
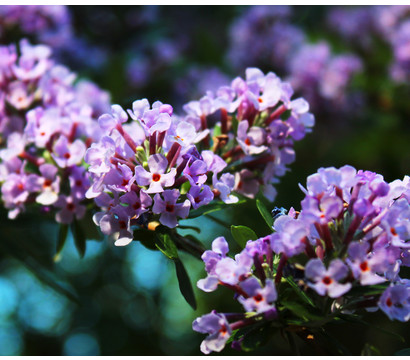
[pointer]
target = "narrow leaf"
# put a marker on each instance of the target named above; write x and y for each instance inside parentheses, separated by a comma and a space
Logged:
(357, 319)
(146, 238)
(242, 234)
(265, 213)
(370, 350)
(79, 238)
(301, 310)
(190, 227)
(164, 243)
(88, 227)
(213, 206)
(62, 237)
(184, 283)
(403, 352)
(256, 337)
(299, 292)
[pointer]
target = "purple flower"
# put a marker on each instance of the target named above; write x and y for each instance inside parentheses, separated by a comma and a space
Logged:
(395, 301)
(120, 179)
(108, 122)
(117, 221)
(211, 257)
(251, 140)
(225, 186)
(260, 298)
(246, 183)
(364, 265)
(136, 205)
(157, 178)
(169, 209)
(196, 172)
(68, 154)
(70, 208)
(289, 236)
(200, 195)
(79, 182)
(326, 282)
(218, 329)
(231, 271)
(48, 184)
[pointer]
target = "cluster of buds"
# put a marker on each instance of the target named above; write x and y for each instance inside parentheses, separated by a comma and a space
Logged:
(352, 232)
(48, 24)
(159, 166)
(46, 124)
(253, 124)
(360, 25)
(311, 69)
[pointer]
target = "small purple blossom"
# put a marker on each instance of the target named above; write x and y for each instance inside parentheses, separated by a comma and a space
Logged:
(157, 178)
(218, 329)
(327, 281)
(169, 209)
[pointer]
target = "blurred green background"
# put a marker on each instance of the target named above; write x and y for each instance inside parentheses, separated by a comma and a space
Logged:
(129, 301)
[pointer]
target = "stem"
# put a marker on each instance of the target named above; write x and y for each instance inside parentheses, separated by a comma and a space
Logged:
(160, 138)
(189, 246)
(204, 126)
(152, 143)
(232, 152)
(279, 271)
(224, 121)
(259, 269)
(71, 137)
(127, 137)
(309, 248)
(276, 114)
(352, 229)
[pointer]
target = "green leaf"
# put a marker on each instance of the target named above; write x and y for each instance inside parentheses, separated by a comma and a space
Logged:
(88, 227)
(370, 350)
(403, 352)
(301, 310)
(185, 187)
(265, 213)
(242, 234)
(335, 343)
(146, 238)
(256, 337)
(357, 319)
(62, 237)
(213, 206)
(184, 283)
(368, 290)
(79, 238)
(190, 227)
(299, 292)
(164, 243)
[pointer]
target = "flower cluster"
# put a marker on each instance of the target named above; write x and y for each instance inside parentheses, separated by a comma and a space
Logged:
(160, 165)
(275, 42)
(50, 24)
(359, 25)
(267, 31)
(321, 76)
(352, 233)
(46, 124)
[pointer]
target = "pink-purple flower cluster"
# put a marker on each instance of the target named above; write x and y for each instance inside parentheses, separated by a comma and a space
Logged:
(49, 24)
(46, 123)
(352, 232)
(312, 69)
(360, 25)
(249, 275)
(159, 165)
(253, 124)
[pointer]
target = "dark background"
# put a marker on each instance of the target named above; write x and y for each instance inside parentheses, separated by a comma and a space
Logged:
(129, 301)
